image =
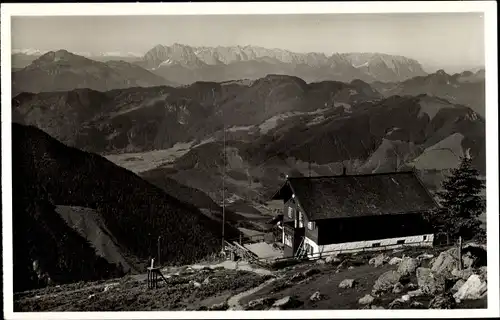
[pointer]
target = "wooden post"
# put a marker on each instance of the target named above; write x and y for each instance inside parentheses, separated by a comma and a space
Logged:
(460, 253)
(159, 250)
(241, 238)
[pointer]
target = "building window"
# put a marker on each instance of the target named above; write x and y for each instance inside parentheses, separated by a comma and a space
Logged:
(290, 212)
(400, 242)
(310, 225)
(288, 240)
(376, 244)
(425, 238)
(301, 220)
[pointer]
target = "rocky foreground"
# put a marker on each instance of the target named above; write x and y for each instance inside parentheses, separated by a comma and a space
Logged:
(410, 279)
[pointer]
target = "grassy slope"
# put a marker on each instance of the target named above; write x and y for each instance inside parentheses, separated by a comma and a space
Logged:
(134, 211)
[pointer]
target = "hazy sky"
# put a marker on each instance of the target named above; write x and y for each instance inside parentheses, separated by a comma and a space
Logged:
(438, 39)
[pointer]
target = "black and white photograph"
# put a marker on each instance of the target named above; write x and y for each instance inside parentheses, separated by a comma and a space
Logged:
(296, 160)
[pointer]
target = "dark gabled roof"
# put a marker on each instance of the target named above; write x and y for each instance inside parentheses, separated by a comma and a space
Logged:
(345, 196)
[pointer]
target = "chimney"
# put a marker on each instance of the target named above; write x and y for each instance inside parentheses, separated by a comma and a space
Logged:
(344, 170)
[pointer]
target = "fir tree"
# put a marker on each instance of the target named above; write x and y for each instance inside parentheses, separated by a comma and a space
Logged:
(462, 202)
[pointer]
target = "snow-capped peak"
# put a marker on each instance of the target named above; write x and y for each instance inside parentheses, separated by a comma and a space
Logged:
(29, 51)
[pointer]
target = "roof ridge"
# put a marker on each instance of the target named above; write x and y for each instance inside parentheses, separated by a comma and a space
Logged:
(357, 175)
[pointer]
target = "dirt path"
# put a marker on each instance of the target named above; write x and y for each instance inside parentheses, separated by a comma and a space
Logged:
(234, 301)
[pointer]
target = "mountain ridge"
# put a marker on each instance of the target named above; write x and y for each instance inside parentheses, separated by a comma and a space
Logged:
(223, 63)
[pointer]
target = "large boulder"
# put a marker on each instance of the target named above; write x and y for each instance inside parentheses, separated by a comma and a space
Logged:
(445, 262)
(367, 299)
(347, 283)
(407, 266)
(429, 282)
(457, 285)
(378, 260)
(474, 288)
(386, 281)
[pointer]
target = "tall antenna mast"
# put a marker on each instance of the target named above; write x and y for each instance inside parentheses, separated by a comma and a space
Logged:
(223, 186)
(309, 166)
(223, 175)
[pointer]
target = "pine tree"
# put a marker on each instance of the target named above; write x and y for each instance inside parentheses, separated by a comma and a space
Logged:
(462, 202)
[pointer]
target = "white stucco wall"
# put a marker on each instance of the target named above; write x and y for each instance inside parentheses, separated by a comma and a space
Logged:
(390, 243)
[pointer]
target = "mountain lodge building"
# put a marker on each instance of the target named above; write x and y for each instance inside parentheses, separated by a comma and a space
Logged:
(347, 213)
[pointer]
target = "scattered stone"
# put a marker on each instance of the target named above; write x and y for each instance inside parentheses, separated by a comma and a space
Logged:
(397, 304)
(342, 264)
(260, 304)
(395, 261)
(311, 272)
(378, 260)
(297, 277)
(457, 285)
(206, 281)
(425, 256)
(408, 266)
(337, 271)
(367, 299)
(347, 283)
(286, 303)
(474, 288)
(442, 301)
(417, 305)
(350, 267)
(317, 296)
(411, 286)
(219, 306)
(429, 282)
(377, 307)
(320, 261)
(415, 293)
(332, 259)
(405, 298)
(386, 281)
(398, 288)
(195, 283)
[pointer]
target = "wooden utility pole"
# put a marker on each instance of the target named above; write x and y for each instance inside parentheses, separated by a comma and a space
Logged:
(159, 250)
(460, 253)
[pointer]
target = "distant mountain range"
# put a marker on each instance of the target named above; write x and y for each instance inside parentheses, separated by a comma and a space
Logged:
(62, 70)
(467, 88)
(275, 125)
(184, 64)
